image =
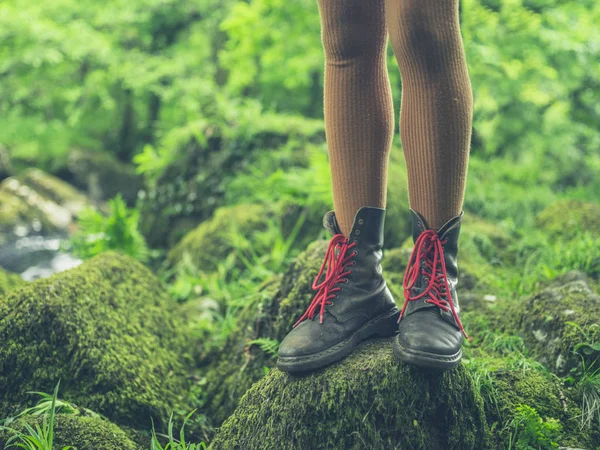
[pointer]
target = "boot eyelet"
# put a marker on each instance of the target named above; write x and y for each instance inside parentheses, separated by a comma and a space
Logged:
(360, 221)
(355, 253)
(346, 280)
(357, 232)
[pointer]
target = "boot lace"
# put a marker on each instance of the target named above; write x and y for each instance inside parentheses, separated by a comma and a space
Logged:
(337, 259)
(428, 248)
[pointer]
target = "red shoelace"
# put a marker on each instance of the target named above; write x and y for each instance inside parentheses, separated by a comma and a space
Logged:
(428, 247)
(335, 264)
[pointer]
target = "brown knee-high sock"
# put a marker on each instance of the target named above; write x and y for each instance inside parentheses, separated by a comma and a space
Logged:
(359, 111)
(437, 104)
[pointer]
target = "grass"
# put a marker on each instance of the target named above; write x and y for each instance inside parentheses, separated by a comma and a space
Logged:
(174, 444)
(38, 437)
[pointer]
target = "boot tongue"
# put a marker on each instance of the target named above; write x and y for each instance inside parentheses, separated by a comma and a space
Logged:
(331, 224)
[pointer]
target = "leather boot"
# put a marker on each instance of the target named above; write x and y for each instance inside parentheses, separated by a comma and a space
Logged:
(430, 333)
(352, 302)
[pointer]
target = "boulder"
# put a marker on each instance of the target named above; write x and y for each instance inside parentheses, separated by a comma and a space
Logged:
(565, 218)
(194, 184)
(559, 323)
(106, 331)
(83, 433)
(102, 176)
(9, 282)
(368, 400)
(37, 203)
(6, 169)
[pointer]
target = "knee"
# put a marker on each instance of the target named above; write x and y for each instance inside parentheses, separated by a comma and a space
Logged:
(352, 30)
(424, 32)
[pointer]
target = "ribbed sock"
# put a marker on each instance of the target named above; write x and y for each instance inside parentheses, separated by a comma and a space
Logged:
(359, 111)
(437, 104)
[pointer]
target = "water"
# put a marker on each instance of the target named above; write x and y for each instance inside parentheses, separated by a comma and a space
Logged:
(36, 257)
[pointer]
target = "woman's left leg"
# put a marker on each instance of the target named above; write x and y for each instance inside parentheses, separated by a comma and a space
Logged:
(435, 125)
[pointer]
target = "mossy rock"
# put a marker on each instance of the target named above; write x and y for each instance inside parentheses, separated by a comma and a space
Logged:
(190, 188)
(231, 371)
(36, 202)
(547, 395)
(213, 240)
(105, 330)
(368, 400)
(9, 282)
(102, 176)
(83, 433)
(558, 320)
(566, 218)
(6, 169)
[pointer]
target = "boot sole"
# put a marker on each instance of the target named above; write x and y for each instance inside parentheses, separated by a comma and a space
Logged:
(426, 360)
(382, 326)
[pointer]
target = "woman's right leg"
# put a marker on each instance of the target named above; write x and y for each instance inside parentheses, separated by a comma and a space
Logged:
(359, 112)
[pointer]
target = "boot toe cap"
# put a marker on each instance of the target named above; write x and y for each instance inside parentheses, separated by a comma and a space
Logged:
(308, 338)
(426, 331)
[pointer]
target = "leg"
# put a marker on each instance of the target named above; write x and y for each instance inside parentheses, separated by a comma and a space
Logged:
(359, 112)
(436, 115)
(437, 104)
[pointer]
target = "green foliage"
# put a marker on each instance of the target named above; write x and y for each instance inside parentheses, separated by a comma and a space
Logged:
(267, 345)
(118, 231)
(39, 437)
(172, 443)
(531, 432)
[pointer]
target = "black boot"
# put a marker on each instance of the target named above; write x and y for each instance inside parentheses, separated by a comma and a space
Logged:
(352, 302)
(430, 333)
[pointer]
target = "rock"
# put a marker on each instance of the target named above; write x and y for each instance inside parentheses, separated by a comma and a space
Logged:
(558, 320)
(567, 217)
(213, 240)
(37, 203)
(9, 282)
(106, 331)
(368, 400)
(548, 396)
(194, 184)
(6, 169)
(83, 433)
(102, 176)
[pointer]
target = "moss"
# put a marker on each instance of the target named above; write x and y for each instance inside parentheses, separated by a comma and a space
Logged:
(55, 190)
(215, 239)
(555, 320)
(566, 218)
(84, 433)
(103, 176)
(106, 331)
(547, 396)
(194, 184)
(9, 282)
(237, 366)
(368, 400)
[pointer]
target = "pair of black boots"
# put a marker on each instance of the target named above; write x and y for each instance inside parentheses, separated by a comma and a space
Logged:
(354, 303)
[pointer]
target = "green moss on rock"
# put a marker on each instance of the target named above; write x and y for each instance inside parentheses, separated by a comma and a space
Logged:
(566, 218)
(213, 240)
(194, 184)
(548, 396)
(105, 329)
(83, 433)
(368, 400)
(556, 320)
(9, 282)
(103, 176)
